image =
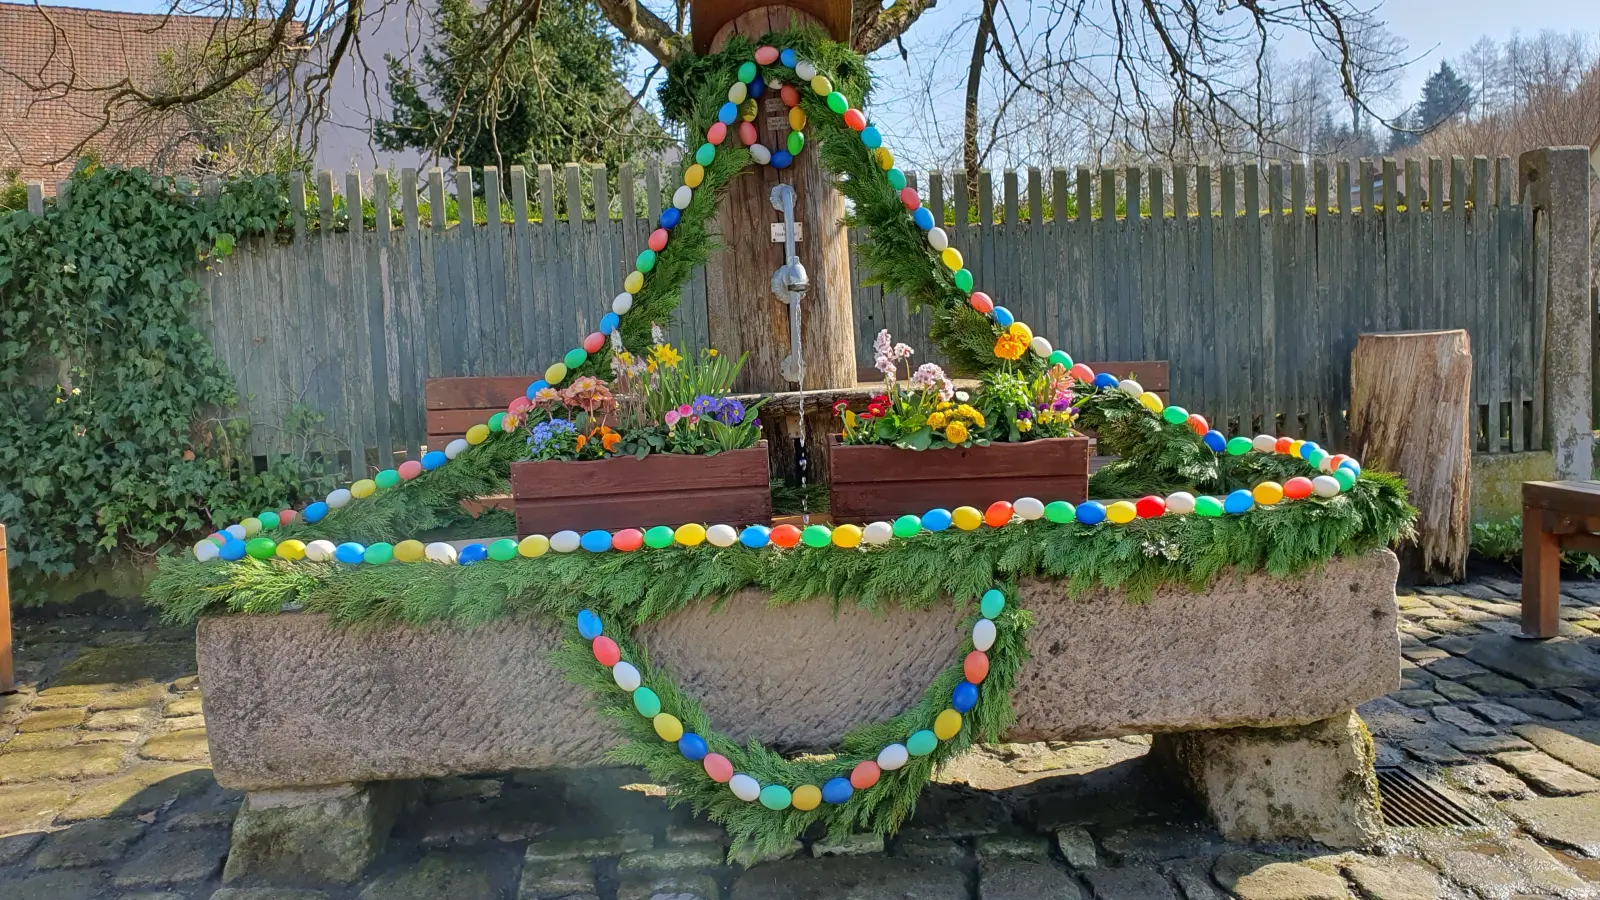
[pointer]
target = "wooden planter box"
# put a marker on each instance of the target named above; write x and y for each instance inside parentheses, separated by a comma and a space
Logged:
(871, 482)
(661, 489)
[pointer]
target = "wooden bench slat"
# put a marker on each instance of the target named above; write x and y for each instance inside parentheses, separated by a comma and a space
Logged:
(491, 392)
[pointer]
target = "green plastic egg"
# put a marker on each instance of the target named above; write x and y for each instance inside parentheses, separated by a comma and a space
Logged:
(1210, 507)
(705, 154)
(378, 554)
(797, 142)
(1315, 458)
(1239, 446)
(897, 179)
(964, 280)
(747, 72)
(921, 743)
(1175, 415)
(1345, 477)
(269, 521)
(1060, 358)
(503, 549)
(838, 103)
(816, 536)
(261, 548)
(907, 526)
(646, 261)
(495, 423)
(388, 478)
(1060, 511)
(658, 537)
(776, 797)
(994, 600)
(646, 702)
(572, 360)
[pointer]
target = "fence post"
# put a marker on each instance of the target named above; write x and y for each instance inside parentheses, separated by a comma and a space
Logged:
(8, 681)
(1556, 180)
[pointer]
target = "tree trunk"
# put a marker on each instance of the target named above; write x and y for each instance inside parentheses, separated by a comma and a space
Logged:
(744, 315)
(1411, 413)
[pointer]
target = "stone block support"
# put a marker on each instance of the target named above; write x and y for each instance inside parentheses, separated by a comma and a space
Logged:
(1556, 181)
(328, 834)
(1309, 782)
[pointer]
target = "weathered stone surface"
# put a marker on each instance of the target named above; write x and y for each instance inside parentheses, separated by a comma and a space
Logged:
(270, 893)
(849, 878)
(556, 879)
(1453, 667)
(1556, 663)
(1577, 744)
(1489, 781)
(69, 884)
(177, 857)
(1077, 847)
(188, 745)
(1129, 883)
(40, 740)
(1419, 698)
(672, 859)
(851, 845)
(1395, 878)
(14, 848)
(87, 844)
(121, 665)
(1569, 821)
(470, 701)
(1546, 774)
(1460, 718)
(110, 737)
(1493, 743)
(1542, 708)
(587, 848)
(144, 695)
(1456, 693)
(330, 834)
(49, 720)
(678, 886)
(1314, 782)
(1501, 714)
(923, 847)
(1498, 686)
(78, 761)
(29, 806)
(143, 789)
(1147, 842)
(120, 719)
(1193, 877)
(186, 705)
(1022, 880)
(444, 790)
(1251, 876)
(1499, 868)
(435, 876)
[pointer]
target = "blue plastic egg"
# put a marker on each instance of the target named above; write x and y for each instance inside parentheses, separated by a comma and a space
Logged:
(670, 217)
(1105, 381)
(609, 323)
(1216, 441)
(964, 697)
(536, 387)
(923, 218)
(1239, 501)
(837, 790)
(472, 553)
(1090, 512)
(595, 541)
(872, 137)
(693, 746)
(728, 112)
(314, 512)
(1003, 317)
(756, 88)
(350, 553)
(1352, 465)
(781, 159)
(589, 625)
(936, 519)
(433, 459)
(231, 549)
(756, 536)
(788, 58)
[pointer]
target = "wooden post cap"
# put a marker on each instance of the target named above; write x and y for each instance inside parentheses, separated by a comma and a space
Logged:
(707, 17)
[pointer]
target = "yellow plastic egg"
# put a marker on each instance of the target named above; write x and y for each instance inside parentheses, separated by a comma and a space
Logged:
(693, 175)
(1151, 401)
(668, 728)
(633, 282)
(947, 725)
(409, 551)
(821, 86)
(885, 158)
(291, 549)
(366, 486)
(847, 535)
(738, 92)
(1121, 512)
(807, 797)
(477, 434)
(1267, 493)
(797, 118)
(1294, 448)
(690, 535)
(556, 372)
(966, 518)
(1021, 330)
(534, 545)
(951, 258)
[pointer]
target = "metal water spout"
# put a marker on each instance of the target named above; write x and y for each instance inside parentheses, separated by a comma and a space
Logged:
(790, 283)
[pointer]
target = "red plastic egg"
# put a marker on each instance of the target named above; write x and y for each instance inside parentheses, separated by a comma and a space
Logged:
(718, 768)
(628, 540)
(1283, 444)
(1081, 372)
(658, 240)
(981, 302)
(864, 775)
(408, 470)
(608, 654)
(285, 516)
(766, 55)
(594, 342)
(717, 133)
(999, 513)
(785, 535)
(518, 405)
(855, 119)
(1149, 507)
(747, 134)
(1198, 424)
(910, 197)
(1297, 488)
(791, 97)
(1335, 460)
(976, 666)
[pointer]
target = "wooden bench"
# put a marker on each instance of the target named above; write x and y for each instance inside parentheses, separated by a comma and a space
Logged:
(1556, 516)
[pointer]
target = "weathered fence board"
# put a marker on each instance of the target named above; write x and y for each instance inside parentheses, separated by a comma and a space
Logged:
(1255, 292)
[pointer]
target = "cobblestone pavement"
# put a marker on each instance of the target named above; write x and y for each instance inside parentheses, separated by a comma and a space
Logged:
(105, 792)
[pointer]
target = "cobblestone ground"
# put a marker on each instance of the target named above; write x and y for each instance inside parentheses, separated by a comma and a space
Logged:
(105, 792)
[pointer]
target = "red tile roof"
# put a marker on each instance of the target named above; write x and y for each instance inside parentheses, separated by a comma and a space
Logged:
(50, 47)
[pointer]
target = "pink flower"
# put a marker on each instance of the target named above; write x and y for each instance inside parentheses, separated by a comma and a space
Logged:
(671, 418)
(685, 410)
(929, 377)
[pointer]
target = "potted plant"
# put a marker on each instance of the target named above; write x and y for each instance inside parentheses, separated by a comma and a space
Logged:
(659, 443)
(923, 445)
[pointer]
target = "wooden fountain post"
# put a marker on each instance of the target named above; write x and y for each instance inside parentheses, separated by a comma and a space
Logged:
(744, 315)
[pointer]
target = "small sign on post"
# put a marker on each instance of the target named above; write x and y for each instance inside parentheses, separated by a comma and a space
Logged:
(777, 232)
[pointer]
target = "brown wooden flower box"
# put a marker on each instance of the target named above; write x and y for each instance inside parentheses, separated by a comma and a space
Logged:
(623, 492)
(869, 482)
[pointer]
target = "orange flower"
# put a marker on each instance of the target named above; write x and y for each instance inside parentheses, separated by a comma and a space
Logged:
(610, 441)
(1010, 346)
(582, 439)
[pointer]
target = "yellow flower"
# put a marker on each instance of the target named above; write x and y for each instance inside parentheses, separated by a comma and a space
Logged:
(666, 355)
(1010, 346)
(1024, 425)
(625, 358)
(936, 420)
(945, 405)
(849, 418)
(977, 418)
(712, 352)
(955, 432)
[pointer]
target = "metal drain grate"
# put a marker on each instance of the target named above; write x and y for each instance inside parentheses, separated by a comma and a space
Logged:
(1408, 801)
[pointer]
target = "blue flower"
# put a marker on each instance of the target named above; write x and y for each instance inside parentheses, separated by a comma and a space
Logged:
(545, 432)
(726, 410)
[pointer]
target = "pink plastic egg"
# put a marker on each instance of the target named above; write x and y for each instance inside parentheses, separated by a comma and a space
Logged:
(594, 342)
(981, 302)
(718, 768)
(1081, 372)
(766, 55)
(716, 133)
(909, 196)
(791, 97)
(518, 405)
(658, 243)
(285, 516)
(747, 134)
(408, 470)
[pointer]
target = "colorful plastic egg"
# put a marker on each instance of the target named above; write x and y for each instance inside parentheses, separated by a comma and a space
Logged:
(1267, 493)
(503, 550)
(1130, 387)
(981, 302)
(1208, 507)
(378, 554)
(744, 787)
(789, 94)
(966, 518)
(252, 525)
(1002, 316)
(293, 549)
(755, 536)
(705, 153)
(231, 549)
(667, 726)
(785, 535)
(477, 434)
(1121, 512)
(1149, 507)
(922, 217)
(1325, 485)
(803, 68)
(451, 450)
(322, 551)
(1239, 501)
(893, 757)
(807, 797)
(350, 553)
(1091, 512)
(1198, 424)
(566, 541)
(950, 256)
(431, 460)
(797, 118)
(993, 602)
(747, 134)
(921, 743)
(1028, 508)
(627, 540)
(206, 551)
(625, 674)
(722, 536)
(410, 551)
(268, 520)
(816, 536)
(1239, 446)
(717, 768)
(912, 200)
(1180, 503)
(533, 546)
(1060, 511)
(1297, 488)
(658, 537)
(846, 536)
(589, 624)
(1282, 445)
(855, 119)
(976, 666)
(983, 635)
(937, 519)
(646, 702)
(438, 552)
(1105, 381)
(999, 513)
(775, 797)
(964, 697)
(896, 179)
(265, 548)
(865, 774)
(596, 541)
(1174, 415)
(947, 725)
(871, 137)
(314, 512)
(1216, 441)
(690, 534)
(738, 92)
(1081, 372)
(472, 553)
(837, 790)
(782, 159)
(692, 746)
(760, 153)
(880, 532)
(681, 198)
(1040, 347)
(766, 54)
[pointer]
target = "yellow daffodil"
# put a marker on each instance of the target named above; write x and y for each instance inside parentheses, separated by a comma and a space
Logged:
(666, 355)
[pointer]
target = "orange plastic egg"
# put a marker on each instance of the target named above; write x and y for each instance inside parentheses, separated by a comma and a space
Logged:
(785, 535)
(717, 133)
(855, 119)
(999, 513)
(1297, 488)
(976, 666)
(864, 775)
(1198, 424)
(791, 97)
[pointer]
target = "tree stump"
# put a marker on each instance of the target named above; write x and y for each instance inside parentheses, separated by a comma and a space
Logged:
(1411, 413)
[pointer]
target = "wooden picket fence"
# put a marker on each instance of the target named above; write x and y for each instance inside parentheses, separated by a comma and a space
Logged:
(1253, 281)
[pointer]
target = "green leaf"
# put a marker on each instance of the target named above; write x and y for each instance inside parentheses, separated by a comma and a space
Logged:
(920, 439)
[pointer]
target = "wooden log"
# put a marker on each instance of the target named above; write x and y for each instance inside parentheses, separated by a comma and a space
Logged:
(1411, 413)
